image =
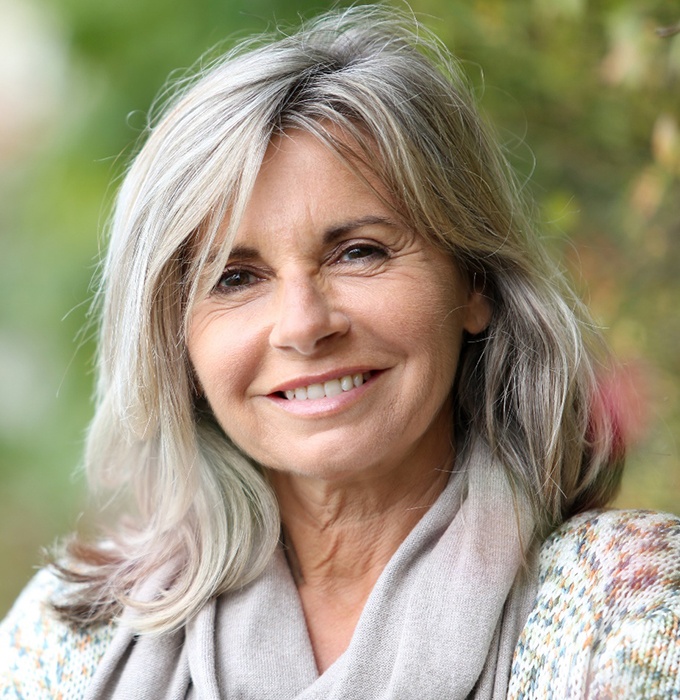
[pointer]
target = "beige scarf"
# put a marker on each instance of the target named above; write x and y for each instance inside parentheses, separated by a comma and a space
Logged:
(441, 623)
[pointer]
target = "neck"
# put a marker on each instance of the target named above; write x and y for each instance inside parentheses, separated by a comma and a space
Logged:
(340, 532)
(341, 536)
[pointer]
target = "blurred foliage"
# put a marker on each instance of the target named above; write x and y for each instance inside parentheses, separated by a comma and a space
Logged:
(584, 95)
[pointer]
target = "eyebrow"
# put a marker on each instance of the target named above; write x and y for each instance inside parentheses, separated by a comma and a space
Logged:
(330, 235)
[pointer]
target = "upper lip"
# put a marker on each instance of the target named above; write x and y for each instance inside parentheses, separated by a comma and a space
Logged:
(320, 378)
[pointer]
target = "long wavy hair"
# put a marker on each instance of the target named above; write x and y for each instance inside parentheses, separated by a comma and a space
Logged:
(527, 386)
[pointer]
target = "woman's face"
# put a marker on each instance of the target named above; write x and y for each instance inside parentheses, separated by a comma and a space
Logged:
(329, 347)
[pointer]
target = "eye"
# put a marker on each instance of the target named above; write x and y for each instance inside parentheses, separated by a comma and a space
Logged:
(236, 279)
(362, 251)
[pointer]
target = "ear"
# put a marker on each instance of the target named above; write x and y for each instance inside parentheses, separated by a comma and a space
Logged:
(477, 312)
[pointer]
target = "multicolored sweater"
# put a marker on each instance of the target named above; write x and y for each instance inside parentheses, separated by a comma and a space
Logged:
(606, 623)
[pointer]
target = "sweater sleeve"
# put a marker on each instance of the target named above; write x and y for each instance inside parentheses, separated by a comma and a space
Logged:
(606, 623)
(42, 657)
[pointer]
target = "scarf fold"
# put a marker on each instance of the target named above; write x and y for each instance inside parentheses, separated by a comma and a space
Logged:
(441, 622)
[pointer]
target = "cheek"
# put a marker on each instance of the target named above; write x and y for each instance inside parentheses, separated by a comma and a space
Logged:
(425, 317)
(224, 361)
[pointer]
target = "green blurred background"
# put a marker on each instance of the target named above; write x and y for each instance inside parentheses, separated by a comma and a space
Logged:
(585, 96)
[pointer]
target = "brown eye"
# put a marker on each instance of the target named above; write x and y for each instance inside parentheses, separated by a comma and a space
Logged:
(362, 252)
(236, 279)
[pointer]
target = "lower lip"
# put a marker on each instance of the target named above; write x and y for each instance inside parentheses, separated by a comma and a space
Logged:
(326, 406)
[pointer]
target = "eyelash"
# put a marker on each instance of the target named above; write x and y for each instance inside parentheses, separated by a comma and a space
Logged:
(234, 272)
(376, 253)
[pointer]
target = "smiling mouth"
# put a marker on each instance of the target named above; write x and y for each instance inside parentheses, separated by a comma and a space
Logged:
(333, 387)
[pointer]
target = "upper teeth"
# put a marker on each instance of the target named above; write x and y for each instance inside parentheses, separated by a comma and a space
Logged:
(333, 387)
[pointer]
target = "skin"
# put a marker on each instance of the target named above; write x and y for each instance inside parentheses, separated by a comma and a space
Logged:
(323, 282)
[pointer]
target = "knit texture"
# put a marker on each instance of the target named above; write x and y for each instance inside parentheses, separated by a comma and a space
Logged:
(606, 622)
(42, 658)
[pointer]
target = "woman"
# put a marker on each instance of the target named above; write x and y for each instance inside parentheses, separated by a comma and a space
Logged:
(350, 397)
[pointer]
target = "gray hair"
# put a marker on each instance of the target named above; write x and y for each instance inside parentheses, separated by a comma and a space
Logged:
(526, 386)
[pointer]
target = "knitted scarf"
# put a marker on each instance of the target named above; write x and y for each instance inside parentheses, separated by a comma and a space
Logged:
(441, 622)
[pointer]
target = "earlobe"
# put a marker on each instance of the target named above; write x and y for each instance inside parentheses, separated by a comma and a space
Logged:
(477, 313)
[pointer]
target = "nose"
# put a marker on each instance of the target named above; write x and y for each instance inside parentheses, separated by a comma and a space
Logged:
(306, 317)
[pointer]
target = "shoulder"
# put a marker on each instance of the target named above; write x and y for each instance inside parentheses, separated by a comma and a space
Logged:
(41, 656)
(612, 535)
(606, 622)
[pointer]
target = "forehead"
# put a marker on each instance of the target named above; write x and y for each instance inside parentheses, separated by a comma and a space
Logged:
(303, 185)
